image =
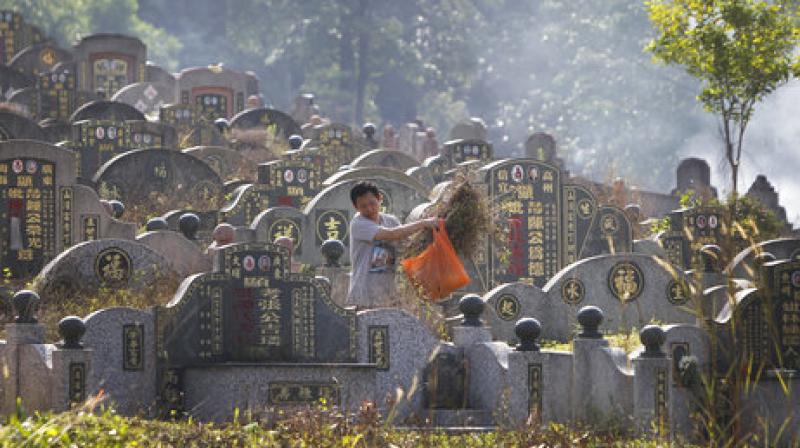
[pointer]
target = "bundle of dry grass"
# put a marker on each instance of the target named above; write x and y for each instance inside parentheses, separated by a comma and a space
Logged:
(467, 215)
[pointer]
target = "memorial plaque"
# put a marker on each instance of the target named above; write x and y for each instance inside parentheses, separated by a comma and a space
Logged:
(661, 401)
(77, 383)
(580, 208)
(191, 127)
(27, 214)
(379, 346)
(335, 143)
(528, 194)
(213, 105)
(133, 346)
(611, 232)
(287, 393)
(90, 228)
(689, 230)
(535, 390)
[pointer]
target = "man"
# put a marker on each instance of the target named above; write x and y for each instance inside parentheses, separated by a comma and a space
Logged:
(372, 254)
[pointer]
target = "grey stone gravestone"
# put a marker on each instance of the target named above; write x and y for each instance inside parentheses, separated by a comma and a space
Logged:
(106, 110)
(57, 92)
(689, 230)
(159, 178)
(218, 92)
(192, 128)
(280, 183)
(763, 191)
(335, 144)
(23, 101)
(123, 358)
(767, 319)
(14, 126)
(112, 263)
(39, 58)
(227, 163)
(744, 264)
(385, 158)
(146, 97)
(459, 151)
(12, 79)
(278, 124)
(148, 134)
(185, 256)
(16, 35)
(154, 73)
(97, 142)
(370, 173)
(43, 209)
(109, 62)
(611, 232)
(472, 129)
(694, 174)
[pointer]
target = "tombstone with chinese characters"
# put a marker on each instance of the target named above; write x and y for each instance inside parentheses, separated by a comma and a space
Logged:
(40, 58)
(217, 92)
(97, 142)
(372, 173)
(692, 228)
(148, 134)
(159, 180)
(542, 146)
(106, 110)
(335, 145)
(16, 35)
(745, 264)
(14, 126)
(550, 223)
(229, 164)
(277, 124)
(385, 158)
(250, 309)
(694, 175)
(289, 183)
(111, 263)
(109, 62)
(146, 97)
(57, 91)
(43, 210)
(631, 289)
(472, 129)
(192, 128)
(767, 319)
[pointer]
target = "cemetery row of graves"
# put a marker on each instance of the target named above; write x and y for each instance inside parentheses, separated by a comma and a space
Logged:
(116, 174)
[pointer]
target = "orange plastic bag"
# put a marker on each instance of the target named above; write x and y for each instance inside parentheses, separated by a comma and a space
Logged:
(437, 268)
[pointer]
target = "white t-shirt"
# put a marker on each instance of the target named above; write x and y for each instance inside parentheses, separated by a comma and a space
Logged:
(373, 263)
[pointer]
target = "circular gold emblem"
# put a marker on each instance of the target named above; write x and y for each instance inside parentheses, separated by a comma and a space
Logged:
(113, 266)
(626, 281)
(572, 291)
(609, 224)
(507, 307)
(677, 292)
(285, 227)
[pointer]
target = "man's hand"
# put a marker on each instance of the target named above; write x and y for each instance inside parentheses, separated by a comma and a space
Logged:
(429, 223)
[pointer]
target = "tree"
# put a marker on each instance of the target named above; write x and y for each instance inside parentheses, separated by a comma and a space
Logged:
(741, 51)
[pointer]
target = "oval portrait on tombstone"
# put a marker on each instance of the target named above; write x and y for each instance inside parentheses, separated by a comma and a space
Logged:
(113, 266)
(625, 280)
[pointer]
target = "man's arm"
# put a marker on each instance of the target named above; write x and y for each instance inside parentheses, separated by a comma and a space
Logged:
(403, 231)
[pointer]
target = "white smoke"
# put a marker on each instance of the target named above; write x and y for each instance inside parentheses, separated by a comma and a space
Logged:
(771, 148)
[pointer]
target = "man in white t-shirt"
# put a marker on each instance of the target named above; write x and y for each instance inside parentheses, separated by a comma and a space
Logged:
(372, 253)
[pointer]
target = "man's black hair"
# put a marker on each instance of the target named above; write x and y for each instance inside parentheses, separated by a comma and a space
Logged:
(363, 187)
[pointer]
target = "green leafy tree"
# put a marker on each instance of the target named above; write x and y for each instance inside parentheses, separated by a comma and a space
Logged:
(741, 51)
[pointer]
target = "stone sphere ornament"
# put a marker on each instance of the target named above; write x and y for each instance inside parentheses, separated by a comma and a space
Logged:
(189, 223)
(471, 306)
(590, 317)
(295, 141)
(332, 250)
(652, 337)
(156, 224)
(26, 304)
(71, 329)
(117, 208)
(369, 130)
(528, 330)
(223, 234)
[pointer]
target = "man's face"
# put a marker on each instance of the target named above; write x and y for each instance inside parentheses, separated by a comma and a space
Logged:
(368, 205)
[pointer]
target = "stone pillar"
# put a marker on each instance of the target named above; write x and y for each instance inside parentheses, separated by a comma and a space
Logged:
(23, 358)
(71, 366)
(651, 382)
(471, 330)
